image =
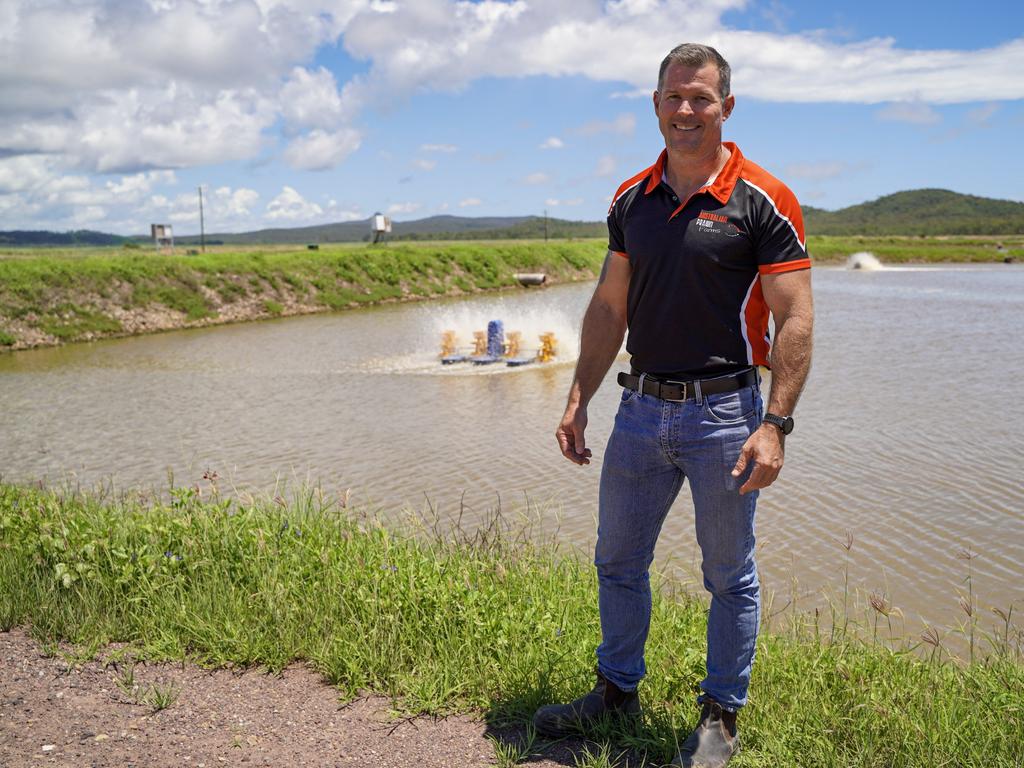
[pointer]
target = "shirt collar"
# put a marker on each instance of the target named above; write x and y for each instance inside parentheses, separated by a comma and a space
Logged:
(721, 188)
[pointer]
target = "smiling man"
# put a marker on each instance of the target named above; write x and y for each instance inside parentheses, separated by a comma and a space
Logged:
(703, 245)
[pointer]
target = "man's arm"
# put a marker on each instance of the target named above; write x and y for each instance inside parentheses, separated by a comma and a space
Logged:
(604, 325)
(788, 296)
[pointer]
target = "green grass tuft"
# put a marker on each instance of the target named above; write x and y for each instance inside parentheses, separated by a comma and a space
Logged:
(487, 622)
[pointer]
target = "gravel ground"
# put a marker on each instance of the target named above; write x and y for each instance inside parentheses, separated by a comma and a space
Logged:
(55, 712)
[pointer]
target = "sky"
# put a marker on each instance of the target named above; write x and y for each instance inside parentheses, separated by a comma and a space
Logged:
(295, 112)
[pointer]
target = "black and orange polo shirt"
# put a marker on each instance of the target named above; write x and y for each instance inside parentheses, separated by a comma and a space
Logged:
(695, 305)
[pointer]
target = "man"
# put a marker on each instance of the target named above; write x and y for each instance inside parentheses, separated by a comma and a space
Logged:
(702, 246)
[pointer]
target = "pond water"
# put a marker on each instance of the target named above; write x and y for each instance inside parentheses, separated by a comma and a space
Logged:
(909, 437)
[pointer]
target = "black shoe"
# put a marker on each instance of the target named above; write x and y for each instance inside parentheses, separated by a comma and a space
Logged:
(577, 716)
(713, 742)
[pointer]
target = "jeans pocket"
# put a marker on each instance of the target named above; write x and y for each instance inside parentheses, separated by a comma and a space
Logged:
(627, 395)
(731, 407)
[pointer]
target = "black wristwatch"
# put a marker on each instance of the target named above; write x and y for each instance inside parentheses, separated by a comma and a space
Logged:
(784, 423)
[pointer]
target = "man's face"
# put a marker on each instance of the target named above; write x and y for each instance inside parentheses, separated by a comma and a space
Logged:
(690, 109)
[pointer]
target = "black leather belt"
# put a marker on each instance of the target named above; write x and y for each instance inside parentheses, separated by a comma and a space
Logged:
(677, 391)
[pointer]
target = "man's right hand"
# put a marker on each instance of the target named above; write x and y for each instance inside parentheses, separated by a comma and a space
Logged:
(570, 435)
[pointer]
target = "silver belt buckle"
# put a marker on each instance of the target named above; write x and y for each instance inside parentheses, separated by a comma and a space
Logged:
(682, 385)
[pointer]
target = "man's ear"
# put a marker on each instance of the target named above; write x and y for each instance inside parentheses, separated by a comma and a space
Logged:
(727, 106)
(656, 97)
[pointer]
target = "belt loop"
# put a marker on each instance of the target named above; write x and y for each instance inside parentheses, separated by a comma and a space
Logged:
(640, 386)
(697, 395)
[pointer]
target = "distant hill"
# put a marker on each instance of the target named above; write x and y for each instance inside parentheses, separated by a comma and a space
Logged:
(432, 228)
(920, 212)
(917, 212)
(46, 238)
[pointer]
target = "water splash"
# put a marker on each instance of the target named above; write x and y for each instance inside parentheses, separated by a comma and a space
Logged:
(465, 318)
(864, 260)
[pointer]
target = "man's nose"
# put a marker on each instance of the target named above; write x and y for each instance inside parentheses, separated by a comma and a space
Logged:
(685, 107)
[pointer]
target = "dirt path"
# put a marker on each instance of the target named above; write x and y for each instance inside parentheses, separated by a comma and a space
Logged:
(56, 713)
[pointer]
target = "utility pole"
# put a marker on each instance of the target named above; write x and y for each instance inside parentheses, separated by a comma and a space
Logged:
(202, 223)
(545, 225)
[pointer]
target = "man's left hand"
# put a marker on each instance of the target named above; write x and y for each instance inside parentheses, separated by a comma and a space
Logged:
(766, 448)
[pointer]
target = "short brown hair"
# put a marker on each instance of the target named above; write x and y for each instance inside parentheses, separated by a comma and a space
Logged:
(697, 55)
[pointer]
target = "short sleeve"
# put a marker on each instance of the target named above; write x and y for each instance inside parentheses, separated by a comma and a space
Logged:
(616, 238)
(781, 242)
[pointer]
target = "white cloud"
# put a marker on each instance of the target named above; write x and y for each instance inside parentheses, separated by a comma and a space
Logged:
(291, 206)
(404, 208)
(35, 193)
(135, 187)
(469, 202)
(624, 124)
(980, 116)
(554, 202)
(433, 44)
(425, 165)
(129, 87)
(536, 179)
(336, 212)
(24, 172)
(606, 166)
(552, 142)
(636, 93)
(913, 112)
(235, 204)
(224, 209)
(311, 99)
(445, 148)
(320, 150)
(821, 171)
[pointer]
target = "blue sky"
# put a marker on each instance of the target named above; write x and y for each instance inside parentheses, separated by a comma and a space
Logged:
(112, 112)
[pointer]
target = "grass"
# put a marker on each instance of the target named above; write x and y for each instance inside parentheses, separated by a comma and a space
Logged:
(37, 286)
(443, 621)
(919, 250)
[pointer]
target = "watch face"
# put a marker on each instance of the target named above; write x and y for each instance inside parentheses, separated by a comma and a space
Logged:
(787, 425)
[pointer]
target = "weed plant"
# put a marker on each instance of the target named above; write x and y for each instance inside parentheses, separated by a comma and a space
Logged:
(493, 621)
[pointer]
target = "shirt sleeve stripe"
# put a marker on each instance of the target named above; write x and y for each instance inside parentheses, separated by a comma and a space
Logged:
(622, 254)
(780, 214)
(784, 266)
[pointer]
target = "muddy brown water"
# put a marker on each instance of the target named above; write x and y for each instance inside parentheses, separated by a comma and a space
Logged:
(909, 437)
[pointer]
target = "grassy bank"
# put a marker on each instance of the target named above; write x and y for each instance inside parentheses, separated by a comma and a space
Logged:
(918, 250)
(487, 622)
(52, 296)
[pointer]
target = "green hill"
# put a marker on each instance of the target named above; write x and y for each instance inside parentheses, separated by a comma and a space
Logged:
(432, 228)
(912, 213)
(920, 212)
(80, 237)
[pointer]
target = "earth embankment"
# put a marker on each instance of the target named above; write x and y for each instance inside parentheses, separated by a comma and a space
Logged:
(49, 297)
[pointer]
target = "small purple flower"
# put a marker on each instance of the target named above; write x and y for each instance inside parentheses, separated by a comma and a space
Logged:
(179, 558)
(168, 553)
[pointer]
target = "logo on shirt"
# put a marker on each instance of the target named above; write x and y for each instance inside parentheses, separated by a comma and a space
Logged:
(716, 224)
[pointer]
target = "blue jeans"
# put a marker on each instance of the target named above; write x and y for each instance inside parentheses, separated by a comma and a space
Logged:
(654, 446)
